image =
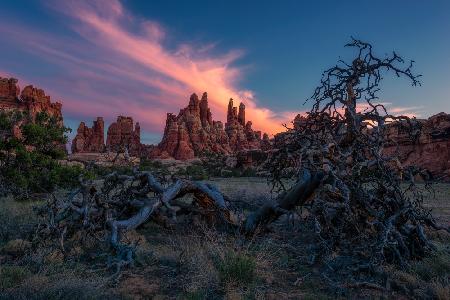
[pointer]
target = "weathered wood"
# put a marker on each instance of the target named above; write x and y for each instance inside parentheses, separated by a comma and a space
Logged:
(296, 196)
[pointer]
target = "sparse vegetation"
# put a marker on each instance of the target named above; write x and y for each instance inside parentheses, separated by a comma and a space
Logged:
(184, 264)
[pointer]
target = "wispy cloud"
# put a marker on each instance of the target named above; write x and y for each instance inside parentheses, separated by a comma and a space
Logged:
(108, 62)
(186, 68)
(119, 64)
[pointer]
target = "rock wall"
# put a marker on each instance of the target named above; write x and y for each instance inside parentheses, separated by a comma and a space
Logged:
(430, 151)
(90, 140)
(193, 132)
(31, 100)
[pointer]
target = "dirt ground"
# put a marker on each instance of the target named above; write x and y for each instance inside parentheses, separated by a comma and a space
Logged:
(196, 261)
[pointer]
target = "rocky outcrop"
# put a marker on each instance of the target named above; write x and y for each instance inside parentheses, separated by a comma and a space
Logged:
(430, 151)
(193, 132)
(90, 139)
(240, 134)
(9, 90)
(31, 100)
(123, 134)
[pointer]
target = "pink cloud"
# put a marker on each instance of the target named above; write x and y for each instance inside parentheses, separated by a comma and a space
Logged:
(184, 67)
(121, 65)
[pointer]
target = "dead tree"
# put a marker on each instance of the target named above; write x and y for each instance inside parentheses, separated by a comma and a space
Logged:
(362, 212)
(119, 203)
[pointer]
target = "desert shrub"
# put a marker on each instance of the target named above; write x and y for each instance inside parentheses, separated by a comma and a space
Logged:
(196, 172)
(237, 268)
(151, 164)
(156, 167)
(213, 163)
(28, 160)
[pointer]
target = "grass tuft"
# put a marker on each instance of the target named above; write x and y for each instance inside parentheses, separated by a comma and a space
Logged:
(237, 268)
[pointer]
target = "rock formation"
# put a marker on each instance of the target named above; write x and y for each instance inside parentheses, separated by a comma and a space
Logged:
(32, 100)
(123, 134)
(9, 90)
(430, 151)
(90, 140)
(240, 134)
(193, 132)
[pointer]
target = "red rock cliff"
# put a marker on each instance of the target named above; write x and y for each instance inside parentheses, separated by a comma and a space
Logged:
(193, 132)
(32, 100)
(432, 149)
(90, 139)
(123, 133)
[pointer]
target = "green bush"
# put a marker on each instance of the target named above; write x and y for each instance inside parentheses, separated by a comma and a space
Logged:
(196, 172)
(29, 163)
(238, 268)
(151, 164)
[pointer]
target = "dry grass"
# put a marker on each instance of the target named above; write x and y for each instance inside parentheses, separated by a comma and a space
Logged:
(196, 261)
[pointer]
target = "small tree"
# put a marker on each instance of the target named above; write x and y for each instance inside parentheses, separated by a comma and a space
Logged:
(29, 151)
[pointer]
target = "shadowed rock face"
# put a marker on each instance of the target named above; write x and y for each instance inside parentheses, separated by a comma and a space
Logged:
(193, 132)
(31, 100)
(432, 148)
(123, 133)
(90, 139)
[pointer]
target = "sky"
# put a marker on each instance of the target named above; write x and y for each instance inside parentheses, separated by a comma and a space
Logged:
(144, 58)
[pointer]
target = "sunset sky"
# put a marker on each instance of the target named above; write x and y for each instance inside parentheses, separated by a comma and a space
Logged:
(144, 58)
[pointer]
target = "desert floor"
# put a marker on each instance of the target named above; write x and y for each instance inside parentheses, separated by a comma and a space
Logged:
(195, 261)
